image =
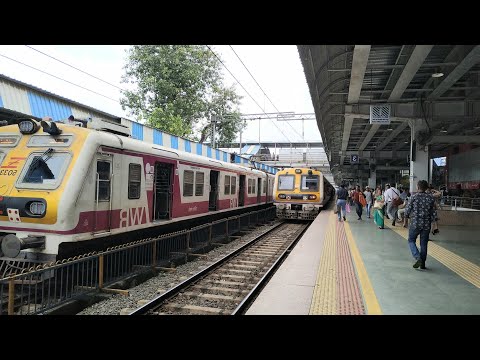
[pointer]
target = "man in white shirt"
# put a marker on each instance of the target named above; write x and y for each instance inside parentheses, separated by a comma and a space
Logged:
(390, 194)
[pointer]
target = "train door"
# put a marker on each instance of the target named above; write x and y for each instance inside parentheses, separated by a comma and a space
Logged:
(102, 222)
(241, 191)
(267, 188)
(162, 189)
(259, 190)
(213, 198)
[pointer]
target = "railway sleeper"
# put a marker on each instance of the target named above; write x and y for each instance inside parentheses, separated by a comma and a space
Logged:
(195, 309)
(219, 290)
(233, 299)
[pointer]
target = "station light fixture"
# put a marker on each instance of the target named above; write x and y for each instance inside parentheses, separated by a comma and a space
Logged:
(443, 129)
(437, 74)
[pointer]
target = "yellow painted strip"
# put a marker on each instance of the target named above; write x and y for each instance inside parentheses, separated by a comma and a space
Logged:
(462, 267)
(371, 302)
(324, 300)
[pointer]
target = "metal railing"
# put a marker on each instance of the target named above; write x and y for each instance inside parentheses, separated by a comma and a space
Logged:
(460, 202)
(37, 290)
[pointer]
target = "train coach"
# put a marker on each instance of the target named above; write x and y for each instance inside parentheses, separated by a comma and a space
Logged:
(65, 184)
(300, 193)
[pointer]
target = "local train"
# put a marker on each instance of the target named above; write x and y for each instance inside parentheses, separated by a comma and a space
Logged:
(65, 184)
(300, 193)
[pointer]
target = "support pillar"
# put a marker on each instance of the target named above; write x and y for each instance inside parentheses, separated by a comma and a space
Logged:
(372, 180)
(419, 155)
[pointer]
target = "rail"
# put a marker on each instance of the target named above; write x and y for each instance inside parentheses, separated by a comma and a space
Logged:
(39, 289)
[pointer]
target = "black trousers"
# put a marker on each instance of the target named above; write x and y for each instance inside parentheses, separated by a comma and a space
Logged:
(358, 209)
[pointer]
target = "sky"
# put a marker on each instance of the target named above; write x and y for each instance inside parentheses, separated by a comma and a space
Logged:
(276, 68)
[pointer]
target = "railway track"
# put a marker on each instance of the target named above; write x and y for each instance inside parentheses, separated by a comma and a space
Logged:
(231, 284)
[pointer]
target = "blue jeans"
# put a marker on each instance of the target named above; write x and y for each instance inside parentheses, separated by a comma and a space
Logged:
(412, 236)
(369, 205)
(341, 207)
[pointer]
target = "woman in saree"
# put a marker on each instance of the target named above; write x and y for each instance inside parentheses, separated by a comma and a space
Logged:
(378, 212)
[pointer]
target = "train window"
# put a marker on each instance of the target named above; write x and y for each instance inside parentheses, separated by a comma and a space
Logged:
(233, 185)
(227, 185)
(199, 182)
(249, 190)
(253, 186)
(134, 180)
(48, 140)
(103, 182)
(45, 170)
(2, 155)
(286, 182)
(264, 187)
(8, 140)
(309, 182)
(188, 183)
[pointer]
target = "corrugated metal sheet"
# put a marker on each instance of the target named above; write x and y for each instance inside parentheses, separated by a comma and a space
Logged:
(199, 149)
(137, 131)
(41, 106)
(157, 137)
(188, 146)
(174, 140)
(14, 97)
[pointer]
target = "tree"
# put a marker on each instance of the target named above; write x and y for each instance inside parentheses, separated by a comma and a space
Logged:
(177, 90)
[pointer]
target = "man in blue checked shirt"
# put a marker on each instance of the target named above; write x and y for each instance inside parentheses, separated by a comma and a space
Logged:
(421, 210)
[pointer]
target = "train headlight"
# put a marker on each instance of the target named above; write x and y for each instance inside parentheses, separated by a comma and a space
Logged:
(37, 208)
(282, 196)
(28, 126)
(312, 197)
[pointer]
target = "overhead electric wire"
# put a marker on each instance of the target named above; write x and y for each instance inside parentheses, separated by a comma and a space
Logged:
(56, 77)
(247, 93)
(271, 102)
(63, 62)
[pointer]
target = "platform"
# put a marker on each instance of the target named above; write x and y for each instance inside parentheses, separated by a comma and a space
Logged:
(353, 268)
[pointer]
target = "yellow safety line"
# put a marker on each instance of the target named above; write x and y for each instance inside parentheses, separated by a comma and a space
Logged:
(371, 302)
(459, 265)
(324, 296)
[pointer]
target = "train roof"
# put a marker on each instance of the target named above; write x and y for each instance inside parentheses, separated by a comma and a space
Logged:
(127, 143)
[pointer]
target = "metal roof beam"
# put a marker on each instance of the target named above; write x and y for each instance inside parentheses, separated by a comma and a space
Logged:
(359, 65)
(347, 127)
(416, 60)
(393, 135)
(455, 139)
(369, 136)
(466, 64)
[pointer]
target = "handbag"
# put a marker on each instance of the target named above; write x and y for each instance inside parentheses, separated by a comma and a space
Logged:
(377, 205)
(397, 201)
(347, 207)
(361, 200)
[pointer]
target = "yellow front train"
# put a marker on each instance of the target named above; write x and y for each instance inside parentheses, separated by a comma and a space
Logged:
(299, 193)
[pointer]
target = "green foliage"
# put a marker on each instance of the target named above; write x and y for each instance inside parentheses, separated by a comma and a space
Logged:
(178, 88)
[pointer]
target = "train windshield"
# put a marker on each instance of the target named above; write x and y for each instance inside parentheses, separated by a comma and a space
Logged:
(286, 182)
(44, 170)
(309, 182)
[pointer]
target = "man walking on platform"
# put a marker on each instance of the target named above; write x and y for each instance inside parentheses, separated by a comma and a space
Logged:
(421, 210)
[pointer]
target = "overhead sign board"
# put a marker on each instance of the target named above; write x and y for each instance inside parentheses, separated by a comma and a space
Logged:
(354, 159)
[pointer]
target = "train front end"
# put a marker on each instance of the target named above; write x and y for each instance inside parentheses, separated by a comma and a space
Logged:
(298, 193)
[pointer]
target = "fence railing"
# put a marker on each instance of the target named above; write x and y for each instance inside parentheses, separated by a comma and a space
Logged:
(460, 202)
(36, 290)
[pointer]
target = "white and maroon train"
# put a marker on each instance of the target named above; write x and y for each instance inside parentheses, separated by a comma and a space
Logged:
(68, 184)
